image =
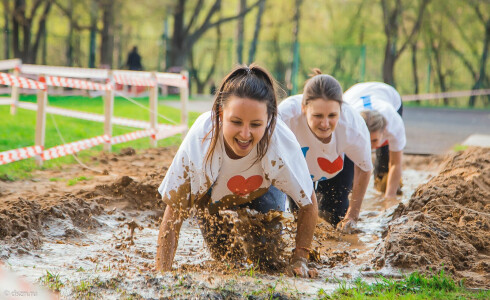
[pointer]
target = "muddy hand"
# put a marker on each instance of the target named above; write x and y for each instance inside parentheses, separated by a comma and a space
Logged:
(300, 268)
(347, 226)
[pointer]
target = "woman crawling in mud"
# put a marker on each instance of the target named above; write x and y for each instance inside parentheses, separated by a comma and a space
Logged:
(336, 145)
(238, 155)
(380, 105)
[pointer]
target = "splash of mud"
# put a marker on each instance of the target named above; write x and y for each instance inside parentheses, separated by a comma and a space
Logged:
(446, 223)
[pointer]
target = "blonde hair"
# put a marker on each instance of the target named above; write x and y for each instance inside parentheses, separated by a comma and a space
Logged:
(374, 120)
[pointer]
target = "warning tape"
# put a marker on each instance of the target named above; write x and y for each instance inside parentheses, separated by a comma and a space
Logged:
(132, 136)
(453, 94)
(177, 80)
(22, 82)
(165, 131)
(76, 83)
(19, 154)
(133, 80)
(9, 64)
(71, 148)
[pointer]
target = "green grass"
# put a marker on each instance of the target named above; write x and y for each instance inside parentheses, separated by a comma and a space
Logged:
(413, 286)
(18, 130)
(459, 147)
(51, 281)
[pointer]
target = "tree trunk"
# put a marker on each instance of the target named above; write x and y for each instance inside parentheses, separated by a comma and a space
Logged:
(6, 33)
(389, 64)
(107, 44)
(183, 39)
(258, 26)
(414, 70)
(69, 39)
(16, 16)
(295, 62)
(242, 5)
(391, 19)
(483, 63)
(93, 33)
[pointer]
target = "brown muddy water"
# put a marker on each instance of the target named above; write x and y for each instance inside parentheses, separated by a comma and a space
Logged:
(105, 262)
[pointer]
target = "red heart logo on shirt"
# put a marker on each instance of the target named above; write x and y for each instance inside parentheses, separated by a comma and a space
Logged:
(330, 167)
(241, 186)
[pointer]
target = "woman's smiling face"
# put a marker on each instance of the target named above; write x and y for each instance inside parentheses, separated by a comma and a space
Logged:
(244, 123)
(322, 117)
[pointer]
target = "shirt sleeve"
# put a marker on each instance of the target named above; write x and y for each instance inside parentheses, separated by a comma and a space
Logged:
(176, 185)
(286, 167)
(396, 131)
(186, 179)
(357, 141)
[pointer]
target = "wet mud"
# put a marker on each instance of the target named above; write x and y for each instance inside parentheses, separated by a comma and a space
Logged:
(446, 223)
(101, 234)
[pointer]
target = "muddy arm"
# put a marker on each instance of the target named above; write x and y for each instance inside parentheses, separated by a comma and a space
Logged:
(307, 218)
(168, 239)
(394, 174)
(359, 187)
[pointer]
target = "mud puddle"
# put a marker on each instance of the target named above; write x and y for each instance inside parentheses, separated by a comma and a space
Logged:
(105, 262)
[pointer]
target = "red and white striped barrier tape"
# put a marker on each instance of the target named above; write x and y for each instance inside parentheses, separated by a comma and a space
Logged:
(19, 154)
(133, 80)
(71, 148)
(9, 64)
(177, 80)
(12, 80)
(76, 83)
(132, 136)
(165, 131)
(454, 94)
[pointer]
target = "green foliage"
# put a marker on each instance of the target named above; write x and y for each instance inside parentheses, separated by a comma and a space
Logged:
(413, 286)
(19, 130)
(51, 281)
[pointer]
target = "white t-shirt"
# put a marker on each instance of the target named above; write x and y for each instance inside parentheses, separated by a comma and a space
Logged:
(350, 137)
(234, 181)
(376, 90)
(382, 98)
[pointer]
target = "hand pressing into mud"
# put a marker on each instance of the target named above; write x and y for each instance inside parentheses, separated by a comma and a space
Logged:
(299, 267)
(347, 225)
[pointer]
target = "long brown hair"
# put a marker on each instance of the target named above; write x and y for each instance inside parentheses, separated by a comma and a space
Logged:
(251, 82)
(322, 86)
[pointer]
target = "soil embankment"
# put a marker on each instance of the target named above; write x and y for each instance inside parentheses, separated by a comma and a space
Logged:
(446, 223)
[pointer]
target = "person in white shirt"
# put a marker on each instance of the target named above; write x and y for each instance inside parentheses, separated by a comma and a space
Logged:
(381, 107)
(238, 154)
(335, 142)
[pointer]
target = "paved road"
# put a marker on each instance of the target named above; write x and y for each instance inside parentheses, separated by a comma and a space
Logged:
(429, 130)
(437, 130)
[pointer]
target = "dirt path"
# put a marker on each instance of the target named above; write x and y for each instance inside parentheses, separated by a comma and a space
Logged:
(83, 233)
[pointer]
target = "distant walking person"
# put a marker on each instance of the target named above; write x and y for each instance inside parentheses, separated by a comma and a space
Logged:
(134, 60)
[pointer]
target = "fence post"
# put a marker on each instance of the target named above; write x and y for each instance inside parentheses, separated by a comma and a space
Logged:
(15, 94)
(154, 110)
(42, 101)
(184, 99)
(108, 112)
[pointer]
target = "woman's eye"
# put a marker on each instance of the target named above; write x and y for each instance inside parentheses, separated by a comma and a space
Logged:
(256, 125)
(236, 122)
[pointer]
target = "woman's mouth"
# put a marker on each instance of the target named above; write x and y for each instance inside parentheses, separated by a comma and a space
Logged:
(243, 144)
